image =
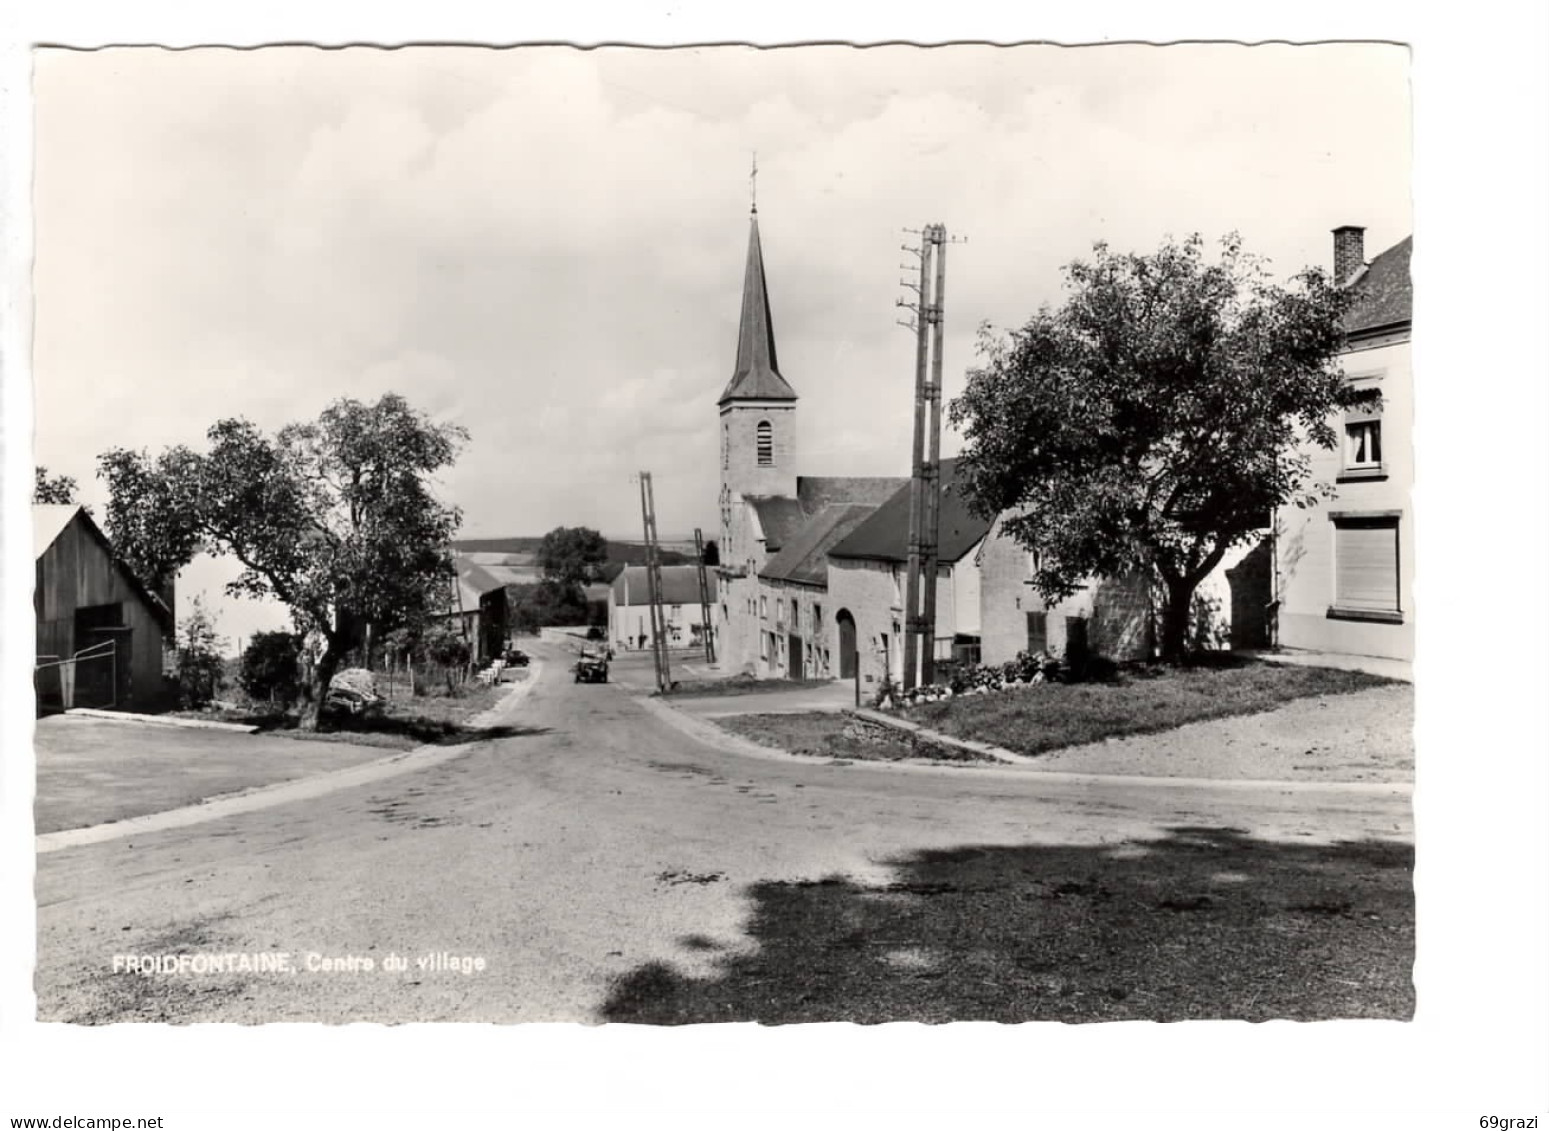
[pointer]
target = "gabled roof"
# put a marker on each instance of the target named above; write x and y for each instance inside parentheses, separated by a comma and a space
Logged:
(680, 586)
(783, 518)
(49, 521)
(1384, 294)
(805, 557)
(779, 516)
(885, 535)
(757, 376)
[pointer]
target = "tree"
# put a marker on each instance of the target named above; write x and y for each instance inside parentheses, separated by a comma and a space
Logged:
(1154, 420)
(572, 555)
(55, 489)
(200, 668)
(545, 603)
(712, 554)
(334, 518)
(271, 667)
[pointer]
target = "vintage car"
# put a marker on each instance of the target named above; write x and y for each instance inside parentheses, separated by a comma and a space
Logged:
(592, 668)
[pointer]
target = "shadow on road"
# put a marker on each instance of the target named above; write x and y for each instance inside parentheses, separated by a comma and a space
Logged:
(432, 732)
(1202, 923)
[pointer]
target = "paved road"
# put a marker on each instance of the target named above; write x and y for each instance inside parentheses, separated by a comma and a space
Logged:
(593, 841)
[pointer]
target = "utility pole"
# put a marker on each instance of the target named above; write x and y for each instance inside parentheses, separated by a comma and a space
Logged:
(921, 326)
(704, 597)
(925, 478)
(653, 574)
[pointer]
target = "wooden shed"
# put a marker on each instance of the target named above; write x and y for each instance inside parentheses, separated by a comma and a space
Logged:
(101, 631)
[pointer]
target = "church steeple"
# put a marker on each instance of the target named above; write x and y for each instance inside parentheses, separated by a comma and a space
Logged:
(757, 376)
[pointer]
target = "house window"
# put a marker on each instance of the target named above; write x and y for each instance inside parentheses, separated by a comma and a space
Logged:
(765, 444)
(817, 617)
(1366, 582)
(1362, 439)
(763, 645)
(1037, 632)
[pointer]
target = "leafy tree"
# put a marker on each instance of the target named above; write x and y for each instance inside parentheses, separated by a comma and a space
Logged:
(334, 518)
(572, 555)
(271, 667)
(52, 489)
(1153, 421)
(200, 668)
(546, 603)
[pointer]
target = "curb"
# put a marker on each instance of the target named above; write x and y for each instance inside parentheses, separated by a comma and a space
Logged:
(280, 793)
(158, 720)
(999, 753)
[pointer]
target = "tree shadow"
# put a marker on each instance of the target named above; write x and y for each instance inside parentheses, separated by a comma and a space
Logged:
(425, 731)
(1204, 923)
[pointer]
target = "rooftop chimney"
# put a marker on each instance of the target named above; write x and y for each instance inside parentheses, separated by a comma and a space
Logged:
(1349, 252)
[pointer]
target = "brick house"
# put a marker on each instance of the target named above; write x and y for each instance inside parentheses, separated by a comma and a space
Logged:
(1345, 569)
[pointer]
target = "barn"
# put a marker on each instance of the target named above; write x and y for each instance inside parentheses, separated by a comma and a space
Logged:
(101, 631)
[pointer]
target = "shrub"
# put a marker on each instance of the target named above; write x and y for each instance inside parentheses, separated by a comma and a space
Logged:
(200, 669)
(271, 668)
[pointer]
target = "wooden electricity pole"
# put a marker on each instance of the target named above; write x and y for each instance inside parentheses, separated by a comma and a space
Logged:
(653, 575)
(925, 477)
(704, 597)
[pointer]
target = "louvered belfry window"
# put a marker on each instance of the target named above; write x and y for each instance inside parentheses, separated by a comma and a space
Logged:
(1366, 564)
(765, 444)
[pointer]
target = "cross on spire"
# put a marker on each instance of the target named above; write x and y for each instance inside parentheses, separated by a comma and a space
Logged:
(753, 182)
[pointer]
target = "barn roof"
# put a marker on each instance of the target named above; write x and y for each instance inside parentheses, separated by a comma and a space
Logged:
(680, 586)
(757, 376)
(885, 535)
(1384, 294)
(49, 521)
(805, 557)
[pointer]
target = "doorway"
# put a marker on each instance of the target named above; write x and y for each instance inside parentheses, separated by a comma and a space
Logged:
(847, 657)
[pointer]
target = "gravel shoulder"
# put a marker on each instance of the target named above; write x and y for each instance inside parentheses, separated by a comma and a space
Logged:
(1367, 736)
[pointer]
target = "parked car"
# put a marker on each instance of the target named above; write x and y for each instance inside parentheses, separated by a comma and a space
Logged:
(516, 658)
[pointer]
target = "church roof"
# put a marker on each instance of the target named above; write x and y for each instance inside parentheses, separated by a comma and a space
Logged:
(783, 518)
(885, 535)
(805, 557)
(757, 376)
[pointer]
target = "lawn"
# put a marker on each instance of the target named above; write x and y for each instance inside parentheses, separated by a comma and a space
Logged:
(741, 685)
(821, 734)
(1050, 716)
(91, 771)
(1201, 923)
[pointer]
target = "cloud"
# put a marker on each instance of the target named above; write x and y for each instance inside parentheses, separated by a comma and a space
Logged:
(546, 245)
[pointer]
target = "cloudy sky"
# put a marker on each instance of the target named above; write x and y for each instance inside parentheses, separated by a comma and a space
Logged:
(545, 245)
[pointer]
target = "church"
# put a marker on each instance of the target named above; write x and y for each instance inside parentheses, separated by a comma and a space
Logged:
(783, 533)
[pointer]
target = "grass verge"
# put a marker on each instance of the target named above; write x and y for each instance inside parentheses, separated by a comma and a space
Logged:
(1049, 716)
(741, 685)
(821, 734)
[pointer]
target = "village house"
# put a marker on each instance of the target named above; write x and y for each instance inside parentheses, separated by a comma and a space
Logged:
(868, 574)
(1345, 569)
(102, 634)
(770, 616)
(629, 607)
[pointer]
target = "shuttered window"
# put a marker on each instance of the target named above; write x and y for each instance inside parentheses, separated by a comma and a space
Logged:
(765, 444)
(1366, 565)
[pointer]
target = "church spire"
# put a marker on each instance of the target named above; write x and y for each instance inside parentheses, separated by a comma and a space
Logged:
(757, 376)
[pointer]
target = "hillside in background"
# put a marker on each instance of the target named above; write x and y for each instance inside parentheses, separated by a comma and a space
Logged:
(620, 554)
